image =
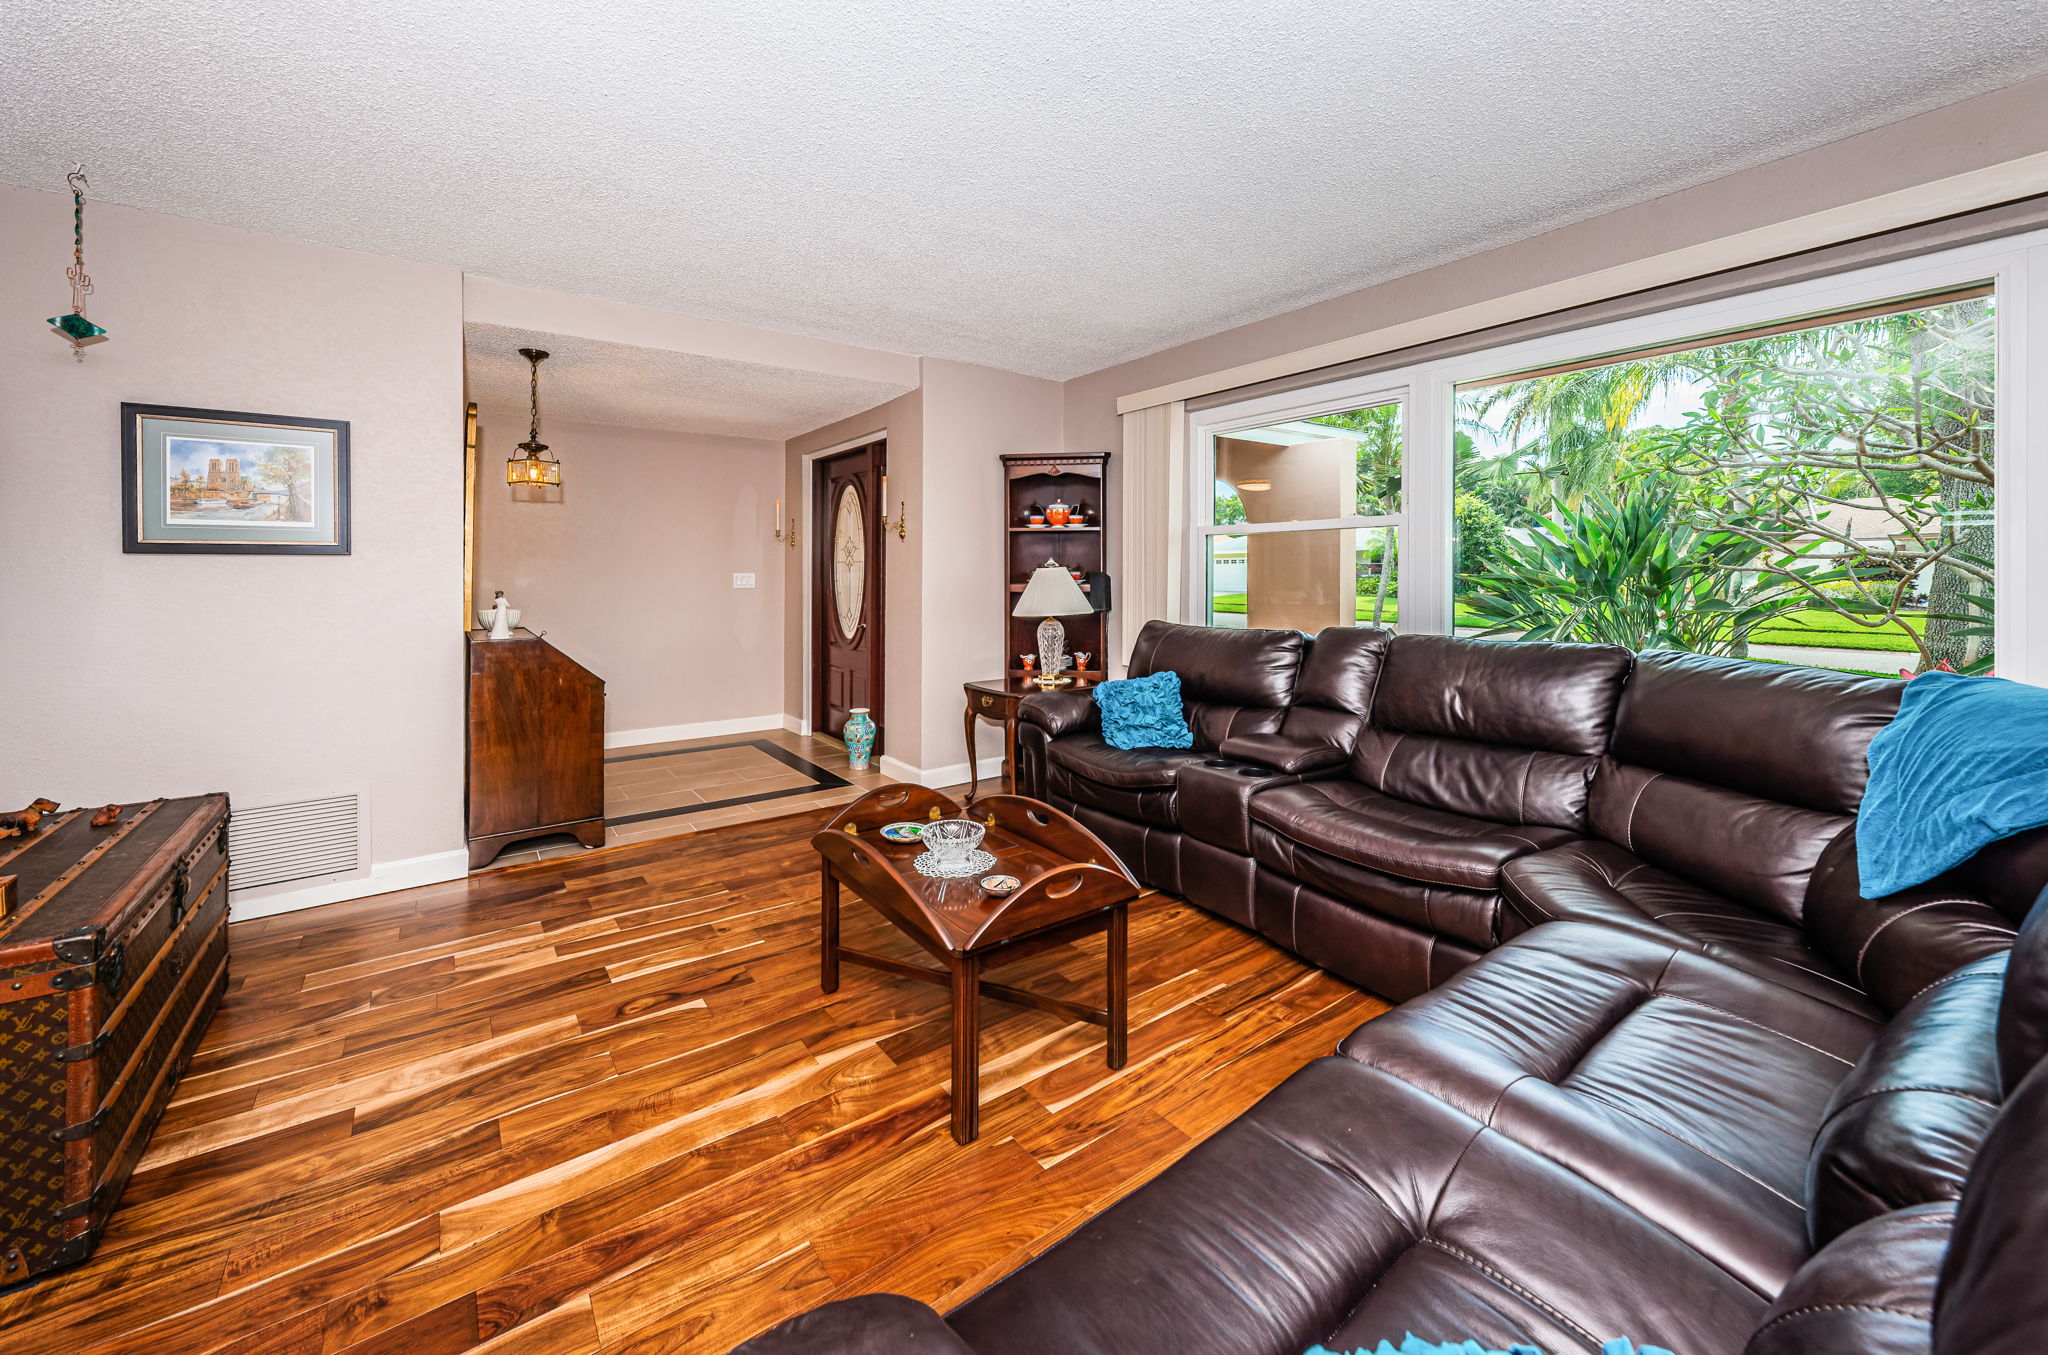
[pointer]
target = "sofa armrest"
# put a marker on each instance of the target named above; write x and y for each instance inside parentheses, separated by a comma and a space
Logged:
(1059, 713)
(1893, 947)
(1283, 754)
(873, 1324)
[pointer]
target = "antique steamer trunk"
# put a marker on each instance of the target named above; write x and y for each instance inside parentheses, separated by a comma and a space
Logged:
(113, 955)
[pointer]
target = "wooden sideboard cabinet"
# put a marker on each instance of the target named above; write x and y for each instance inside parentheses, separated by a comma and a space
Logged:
(536, 745)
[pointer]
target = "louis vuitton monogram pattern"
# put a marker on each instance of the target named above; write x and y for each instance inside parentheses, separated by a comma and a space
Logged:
(31, 1112)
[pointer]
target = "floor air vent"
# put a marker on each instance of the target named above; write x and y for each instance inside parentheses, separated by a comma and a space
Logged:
(294, 840)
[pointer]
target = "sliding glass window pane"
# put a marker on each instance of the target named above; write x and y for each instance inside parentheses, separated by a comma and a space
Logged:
(1821, 495)
(1303, 470)
(1304, 580)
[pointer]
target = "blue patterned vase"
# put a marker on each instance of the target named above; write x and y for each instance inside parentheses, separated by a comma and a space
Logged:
(860, 738)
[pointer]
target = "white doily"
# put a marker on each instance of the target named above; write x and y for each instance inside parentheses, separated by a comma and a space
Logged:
(977, 863)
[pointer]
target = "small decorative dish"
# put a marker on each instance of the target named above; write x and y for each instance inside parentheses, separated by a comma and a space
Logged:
(999, 884)
(902, 832)
(936, 867)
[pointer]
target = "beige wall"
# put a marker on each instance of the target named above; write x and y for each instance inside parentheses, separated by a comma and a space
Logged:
(1966, 136)
(338, 670)
(944, 582)
(628, 567)
(972, 416)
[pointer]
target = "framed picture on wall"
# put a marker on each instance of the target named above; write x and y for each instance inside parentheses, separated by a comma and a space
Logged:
(218, 482)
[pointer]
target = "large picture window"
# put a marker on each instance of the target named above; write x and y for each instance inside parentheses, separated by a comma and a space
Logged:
(1304, 527)
(1817, 492)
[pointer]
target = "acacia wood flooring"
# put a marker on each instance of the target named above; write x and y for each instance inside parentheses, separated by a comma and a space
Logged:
(599, 1104)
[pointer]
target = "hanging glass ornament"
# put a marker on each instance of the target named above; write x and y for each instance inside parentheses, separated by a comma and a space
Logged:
(75, 328)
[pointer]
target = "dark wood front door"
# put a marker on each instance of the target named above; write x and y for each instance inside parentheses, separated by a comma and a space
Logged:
(846, 588)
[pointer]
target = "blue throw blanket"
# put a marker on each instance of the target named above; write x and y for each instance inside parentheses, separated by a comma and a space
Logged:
(1963, 765)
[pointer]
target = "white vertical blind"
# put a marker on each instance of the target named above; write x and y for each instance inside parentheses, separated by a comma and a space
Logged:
(1152, 527)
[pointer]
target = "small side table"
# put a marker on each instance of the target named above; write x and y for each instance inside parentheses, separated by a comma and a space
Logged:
(996, 700)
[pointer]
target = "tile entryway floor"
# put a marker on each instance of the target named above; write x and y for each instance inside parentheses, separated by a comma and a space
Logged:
(661, 789)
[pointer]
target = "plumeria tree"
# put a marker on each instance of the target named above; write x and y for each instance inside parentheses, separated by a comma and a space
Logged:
(1888, 420)
(1856, 458)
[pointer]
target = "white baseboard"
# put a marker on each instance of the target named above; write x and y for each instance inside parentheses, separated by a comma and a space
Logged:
(703, 729)
(991, 769)
(383, 878)
(796, 724)
(898, 770)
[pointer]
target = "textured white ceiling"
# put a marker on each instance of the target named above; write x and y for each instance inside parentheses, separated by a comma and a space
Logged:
(1044, 185)
(588, 381)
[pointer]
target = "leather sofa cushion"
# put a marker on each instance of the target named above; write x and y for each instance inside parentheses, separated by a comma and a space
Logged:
(1599, 882)
(872, 1324)
(1469, 915)
(1154, 808)
(1089, 756)
(1483, 780)
(1498, 731)
(1347, 1207)
(1334, 695)
(1893, 947)
(1688, 1090)
(1793, 735)
(2023, 1008)
(1360, 825)
(1869, 1292)
(1147, 849)
(1060, 712)
(1283, 752)
(1223, 667)
(1904, 1126)
(1232, 682)
(1990, 1300)
(1756, 851)
(1556, 697)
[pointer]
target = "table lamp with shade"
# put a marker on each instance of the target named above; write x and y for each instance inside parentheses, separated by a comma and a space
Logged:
(1052, 593)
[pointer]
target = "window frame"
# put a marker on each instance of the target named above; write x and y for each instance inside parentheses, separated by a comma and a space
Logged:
(1428, 392)
(1337, 398)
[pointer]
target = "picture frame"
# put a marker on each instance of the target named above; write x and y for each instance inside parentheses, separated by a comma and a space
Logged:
(225, 482)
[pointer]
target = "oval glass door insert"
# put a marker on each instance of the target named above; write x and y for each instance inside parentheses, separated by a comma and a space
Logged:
(849, 561)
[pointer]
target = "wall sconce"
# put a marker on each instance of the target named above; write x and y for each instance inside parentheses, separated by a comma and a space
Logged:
(780, 535)
(902, 508)
(1254, 486)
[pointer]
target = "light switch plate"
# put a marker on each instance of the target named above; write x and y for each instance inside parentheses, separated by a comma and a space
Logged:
(743, 581)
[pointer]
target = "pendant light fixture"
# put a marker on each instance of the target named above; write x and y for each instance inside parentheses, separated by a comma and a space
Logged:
(74, 328)
(533, 468)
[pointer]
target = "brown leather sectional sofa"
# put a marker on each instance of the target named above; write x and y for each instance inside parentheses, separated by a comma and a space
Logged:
(1671, 1080)
(1393, 807)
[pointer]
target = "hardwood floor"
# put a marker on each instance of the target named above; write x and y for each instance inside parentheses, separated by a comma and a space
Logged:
(599, 1104)
(709, 783)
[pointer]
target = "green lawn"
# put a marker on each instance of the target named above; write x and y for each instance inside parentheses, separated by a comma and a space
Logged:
(1831, 630)
(1814, 627)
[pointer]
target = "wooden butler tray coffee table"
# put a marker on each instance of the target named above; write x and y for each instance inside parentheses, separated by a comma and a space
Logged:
(1070, 886)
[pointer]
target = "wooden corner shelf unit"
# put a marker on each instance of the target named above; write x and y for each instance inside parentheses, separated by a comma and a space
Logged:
(1037, 480)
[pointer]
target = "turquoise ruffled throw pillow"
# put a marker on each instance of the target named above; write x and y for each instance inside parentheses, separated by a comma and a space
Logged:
(1143, 712)
(1412, 1345)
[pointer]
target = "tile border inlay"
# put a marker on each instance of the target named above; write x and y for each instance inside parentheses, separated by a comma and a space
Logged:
(820, 779)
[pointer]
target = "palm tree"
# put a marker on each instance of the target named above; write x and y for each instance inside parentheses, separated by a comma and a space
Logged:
(1569, 426)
